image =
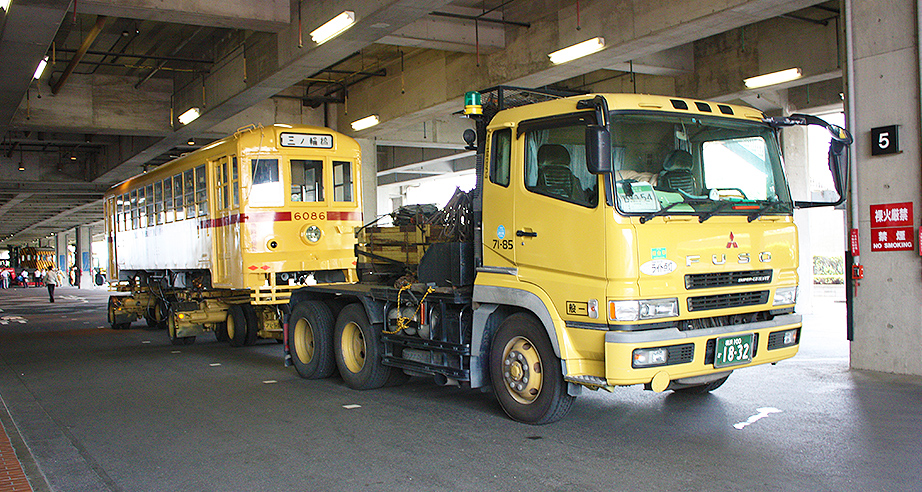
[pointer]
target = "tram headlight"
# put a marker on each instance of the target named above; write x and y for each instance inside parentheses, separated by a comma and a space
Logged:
(312, 234)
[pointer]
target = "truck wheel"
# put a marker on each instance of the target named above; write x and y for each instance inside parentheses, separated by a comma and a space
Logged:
(701, 388)
(171, 329)
(114, 302)
(526, 374)
(236, 325)
(310, 340)
(358, 349)
(220, 332)
(252, 324)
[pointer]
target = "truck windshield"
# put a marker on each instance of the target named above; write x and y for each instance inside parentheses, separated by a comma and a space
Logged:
(678, 164)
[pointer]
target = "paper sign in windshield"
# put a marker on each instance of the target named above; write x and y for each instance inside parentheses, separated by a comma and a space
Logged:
(637, 197)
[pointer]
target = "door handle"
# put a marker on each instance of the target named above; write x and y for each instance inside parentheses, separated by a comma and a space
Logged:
(526, 234)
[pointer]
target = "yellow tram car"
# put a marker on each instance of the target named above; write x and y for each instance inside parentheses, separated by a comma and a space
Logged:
(217, 239)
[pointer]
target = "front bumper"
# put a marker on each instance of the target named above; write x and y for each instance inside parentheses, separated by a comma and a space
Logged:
(696, 348)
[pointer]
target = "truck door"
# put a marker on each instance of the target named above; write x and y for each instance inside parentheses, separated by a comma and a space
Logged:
(559, 217)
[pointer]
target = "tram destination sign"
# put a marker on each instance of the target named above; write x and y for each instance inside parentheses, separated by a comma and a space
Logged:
(306, 140)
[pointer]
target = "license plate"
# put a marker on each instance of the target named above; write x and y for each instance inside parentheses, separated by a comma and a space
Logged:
(732, 351)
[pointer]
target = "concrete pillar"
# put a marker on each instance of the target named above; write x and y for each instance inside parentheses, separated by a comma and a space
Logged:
(60, 251)
(369, 179)
(797, 170)
(886, 305)
(84, 259)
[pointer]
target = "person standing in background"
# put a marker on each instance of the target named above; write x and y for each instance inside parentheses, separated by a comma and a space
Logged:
(5, 278)
(52, 278)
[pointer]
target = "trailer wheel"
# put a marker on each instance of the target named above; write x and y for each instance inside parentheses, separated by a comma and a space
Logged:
(236, 325)
(310, 339)
(156, 315)
(114, 302)
(252, 324)
(701, 388)
(526, 374)
(171, 328)
(358, 349)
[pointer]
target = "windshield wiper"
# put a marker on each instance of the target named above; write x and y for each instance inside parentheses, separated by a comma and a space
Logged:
(717, 210)
(763, 210)
(662, 211)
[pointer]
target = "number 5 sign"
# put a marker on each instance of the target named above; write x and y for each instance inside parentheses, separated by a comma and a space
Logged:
(885, 140)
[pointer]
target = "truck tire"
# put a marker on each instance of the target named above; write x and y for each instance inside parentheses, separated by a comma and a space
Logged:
(310, 340)
(358, 349)
(701, 388)
(171, 329)
(526, 374)
(236, 326)
(220, 332)
(156, 315)
(252, 324)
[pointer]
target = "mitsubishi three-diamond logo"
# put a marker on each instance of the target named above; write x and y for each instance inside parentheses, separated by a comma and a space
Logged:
(732, 243)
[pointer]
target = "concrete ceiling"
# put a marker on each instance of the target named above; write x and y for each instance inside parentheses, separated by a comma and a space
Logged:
(121, 71)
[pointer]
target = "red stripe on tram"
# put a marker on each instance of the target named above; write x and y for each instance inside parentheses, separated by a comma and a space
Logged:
(344, 216)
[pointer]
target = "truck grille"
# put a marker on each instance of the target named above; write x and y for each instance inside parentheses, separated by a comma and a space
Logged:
(723, 301)
(727, 279)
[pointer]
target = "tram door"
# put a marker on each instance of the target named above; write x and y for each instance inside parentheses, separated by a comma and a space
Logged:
(223, 222)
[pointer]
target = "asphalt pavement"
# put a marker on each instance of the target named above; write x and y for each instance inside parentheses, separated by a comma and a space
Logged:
(97, 409)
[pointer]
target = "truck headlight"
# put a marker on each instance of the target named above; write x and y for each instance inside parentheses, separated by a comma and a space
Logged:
(643, 309)
(785, 296)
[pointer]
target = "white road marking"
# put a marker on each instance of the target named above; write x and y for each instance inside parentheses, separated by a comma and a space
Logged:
(146, 341)
(5, 320)
(763, 412)
(216, 364)
(352, 406)
(270, 381)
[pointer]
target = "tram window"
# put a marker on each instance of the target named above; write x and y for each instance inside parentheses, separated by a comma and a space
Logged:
(201, 194)
(267, 189)
(342, 181)
(158, 202)
(235, 185)
(133, 209)
(177, 196)
(142, 209)
(149, 201)
(168, 200)
(222, 183)
(306, 181)
(188, 183)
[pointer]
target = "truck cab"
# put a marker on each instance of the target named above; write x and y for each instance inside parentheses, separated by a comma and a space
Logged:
(672, 266)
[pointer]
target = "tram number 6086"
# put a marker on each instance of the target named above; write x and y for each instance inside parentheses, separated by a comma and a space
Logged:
(310, 216)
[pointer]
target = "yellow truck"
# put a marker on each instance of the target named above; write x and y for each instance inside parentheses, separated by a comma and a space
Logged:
(612, 240)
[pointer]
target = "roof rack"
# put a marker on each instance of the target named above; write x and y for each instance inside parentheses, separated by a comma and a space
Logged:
(502, 97)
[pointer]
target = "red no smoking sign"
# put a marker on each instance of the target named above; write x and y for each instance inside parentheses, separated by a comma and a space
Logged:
(891, 227)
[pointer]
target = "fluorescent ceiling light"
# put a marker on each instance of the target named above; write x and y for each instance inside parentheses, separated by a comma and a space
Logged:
(41, 68)
(579, 50)
(366, 122)
(333, 27)
(773, 78)
(189, 116)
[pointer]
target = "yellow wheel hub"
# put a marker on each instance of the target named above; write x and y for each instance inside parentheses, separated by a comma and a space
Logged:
(353, 346)
(522, 371)
(304, 341)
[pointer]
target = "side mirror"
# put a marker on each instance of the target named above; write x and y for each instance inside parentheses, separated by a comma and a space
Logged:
(598, 149)
(837, 160)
